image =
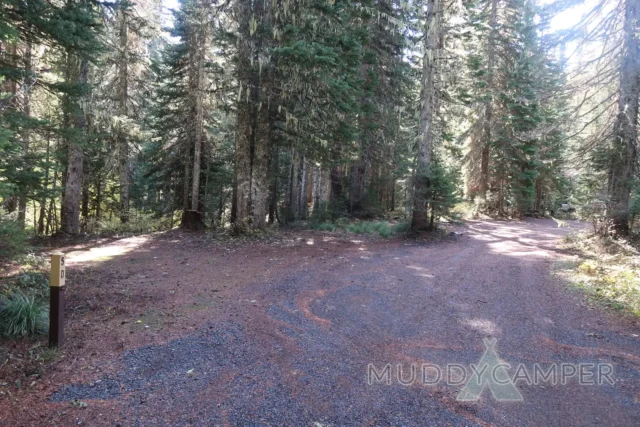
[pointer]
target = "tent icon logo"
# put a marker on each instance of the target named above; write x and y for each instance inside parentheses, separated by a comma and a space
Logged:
(491, 373)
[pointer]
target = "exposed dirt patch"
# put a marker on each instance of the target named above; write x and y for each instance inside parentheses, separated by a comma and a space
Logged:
(176, 330)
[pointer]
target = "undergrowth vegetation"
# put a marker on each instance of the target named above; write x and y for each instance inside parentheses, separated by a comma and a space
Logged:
(382, 228)
(13, 240)
(24, 308)
(607, 269)
(22, 315)
(33, 283)
(137, 224)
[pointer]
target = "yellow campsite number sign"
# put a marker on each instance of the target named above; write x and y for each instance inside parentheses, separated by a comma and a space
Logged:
(57, 270)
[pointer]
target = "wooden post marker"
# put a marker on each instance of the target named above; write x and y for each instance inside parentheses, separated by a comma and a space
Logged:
(56, 307)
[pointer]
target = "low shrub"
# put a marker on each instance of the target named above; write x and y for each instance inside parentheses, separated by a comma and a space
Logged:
(137, 224)
(34, 283)
(382, 228)
(621, 288)
(590, 268)
(330, 211)
(465, 210)
(402, 227)
(325, 226)
(13, 239)
(366, 227)
(608, 270)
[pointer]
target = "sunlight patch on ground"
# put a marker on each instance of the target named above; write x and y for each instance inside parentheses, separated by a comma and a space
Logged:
(423, 272)
(515, 240)
(484, 237)
(515, 249)
(106, 252)
(483, 326)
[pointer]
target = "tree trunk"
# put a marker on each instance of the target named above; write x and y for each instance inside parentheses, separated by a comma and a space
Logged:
(488, 107)
(43, 198)
(197, 35)
(244, 118)
(291, 187)
(98, 200)
(419, 219)
(221, 205)
(198, 45)
(321, 189)
(77, 70)
(123, 99)
(308, 191)
(85, 197)
(360, 177)
(261, 154)
(297, 197)
(10, 86)
(538, 205)
(50, 227)
(336, 177)
(393, 195)
(253, 128)
(26, 93)
(273, 204)
(623, 162)
(360, 171)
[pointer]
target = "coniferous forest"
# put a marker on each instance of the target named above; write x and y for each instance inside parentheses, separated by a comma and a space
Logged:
(319, 213)
(239, 114)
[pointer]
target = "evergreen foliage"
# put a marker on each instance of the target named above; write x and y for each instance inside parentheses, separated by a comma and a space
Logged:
(247, 113)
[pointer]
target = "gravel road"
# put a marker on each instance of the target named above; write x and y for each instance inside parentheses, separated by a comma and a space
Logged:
(293, 345)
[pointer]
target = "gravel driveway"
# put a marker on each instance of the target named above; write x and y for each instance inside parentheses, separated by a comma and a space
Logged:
(294, 345)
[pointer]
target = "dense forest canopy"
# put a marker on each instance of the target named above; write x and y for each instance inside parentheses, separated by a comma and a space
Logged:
(243, 113)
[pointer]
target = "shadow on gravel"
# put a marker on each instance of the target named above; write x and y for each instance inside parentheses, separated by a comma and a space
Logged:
(179, 363)
(223, 375)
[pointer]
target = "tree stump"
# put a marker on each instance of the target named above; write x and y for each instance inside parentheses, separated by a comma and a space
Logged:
(192, 220)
